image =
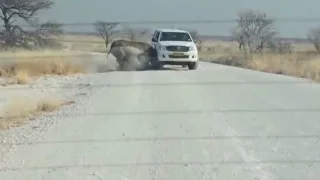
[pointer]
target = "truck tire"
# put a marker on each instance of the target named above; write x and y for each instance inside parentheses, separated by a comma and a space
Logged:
(158, 65)
(155, 64)
(193, 65)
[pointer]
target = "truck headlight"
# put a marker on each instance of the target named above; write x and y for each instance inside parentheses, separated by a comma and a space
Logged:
(192, 48)
(163, 48)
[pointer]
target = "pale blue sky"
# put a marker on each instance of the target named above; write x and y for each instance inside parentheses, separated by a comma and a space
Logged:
(114, 10)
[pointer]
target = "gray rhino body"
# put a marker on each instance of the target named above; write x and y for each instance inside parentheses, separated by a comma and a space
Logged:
(128, 52)
(129, 58)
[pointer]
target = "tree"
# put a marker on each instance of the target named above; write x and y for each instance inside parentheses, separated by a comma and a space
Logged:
(106, 30)
(26, 11)
(280, 46)
(314, 37)
(135, 34)
(195, 36)
(254, 30)
(43, 34)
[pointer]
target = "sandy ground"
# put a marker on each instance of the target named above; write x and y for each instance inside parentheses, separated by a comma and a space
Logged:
(67, 88)
(217, 122)
(73, 88)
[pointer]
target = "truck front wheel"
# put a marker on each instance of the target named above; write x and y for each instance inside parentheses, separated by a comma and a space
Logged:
(158, 65)
(193, 65)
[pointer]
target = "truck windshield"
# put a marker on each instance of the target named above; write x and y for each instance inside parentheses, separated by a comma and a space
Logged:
(175, 36)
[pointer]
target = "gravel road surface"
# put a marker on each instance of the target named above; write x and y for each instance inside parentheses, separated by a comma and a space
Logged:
(217, 122)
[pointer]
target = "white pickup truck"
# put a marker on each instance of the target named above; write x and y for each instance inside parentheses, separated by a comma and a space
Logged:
(175, 47)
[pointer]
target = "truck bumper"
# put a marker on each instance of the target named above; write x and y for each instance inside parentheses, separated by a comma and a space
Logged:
(177, 58)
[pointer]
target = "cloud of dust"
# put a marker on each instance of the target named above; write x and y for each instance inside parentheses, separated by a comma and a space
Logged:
(128, 58)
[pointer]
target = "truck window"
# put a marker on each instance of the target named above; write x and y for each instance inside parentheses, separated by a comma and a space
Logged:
(175, 36)
(157, 35)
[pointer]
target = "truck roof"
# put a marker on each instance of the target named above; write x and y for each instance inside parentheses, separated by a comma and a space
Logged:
(172, 30)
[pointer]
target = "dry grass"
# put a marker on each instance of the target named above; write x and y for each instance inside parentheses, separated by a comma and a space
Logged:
(301, 63)
(88, 43)
(21, 77)
(20, 66)
(297, 64)
(19, 110)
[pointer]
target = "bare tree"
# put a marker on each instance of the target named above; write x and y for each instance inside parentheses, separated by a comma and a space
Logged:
(253, 30)
(279, 46)
(12, 11)
(239, 36)
(135, 34)
(44, 35)
(314, 37)
(195, 35)
(106, 30)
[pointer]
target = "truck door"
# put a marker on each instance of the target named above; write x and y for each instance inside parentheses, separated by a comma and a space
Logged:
(155, 39)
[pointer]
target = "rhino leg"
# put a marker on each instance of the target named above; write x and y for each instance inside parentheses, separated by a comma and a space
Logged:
(119, 54)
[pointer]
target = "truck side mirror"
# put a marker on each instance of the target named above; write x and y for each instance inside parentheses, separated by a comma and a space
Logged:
(154, 39)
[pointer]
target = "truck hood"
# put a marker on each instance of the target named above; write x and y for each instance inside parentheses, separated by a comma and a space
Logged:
(176, 43)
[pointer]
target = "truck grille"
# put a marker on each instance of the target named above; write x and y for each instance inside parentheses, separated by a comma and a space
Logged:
(178, 48)
(182, 57)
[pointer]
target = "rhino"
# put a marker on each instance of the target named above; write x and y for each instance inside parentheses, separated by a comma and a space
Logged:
(124, 51)
(127, 57)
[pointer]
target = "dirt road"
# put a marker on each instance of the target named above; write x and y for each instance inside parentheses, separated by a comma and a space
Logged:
(217, 122)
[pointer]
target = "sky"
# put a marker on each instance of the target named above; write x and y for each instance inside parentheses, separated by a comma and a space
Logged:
(71, 11)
